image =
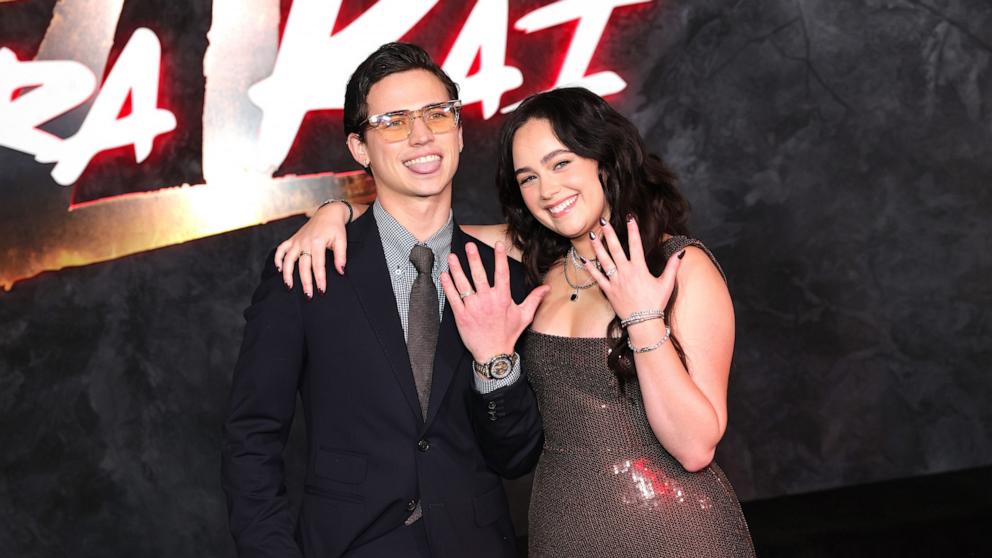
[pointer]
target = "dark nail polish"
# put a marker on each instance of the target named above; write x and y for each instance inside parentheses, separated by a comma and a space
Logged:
(630, 217)
(602, 222)
(592, 235)
(288, 288)
(584, 261)
(681, 254)
(322, 292)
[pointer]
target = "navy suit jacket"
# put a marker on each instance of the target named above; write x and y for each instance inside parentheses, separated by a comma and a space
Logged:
(371, 456)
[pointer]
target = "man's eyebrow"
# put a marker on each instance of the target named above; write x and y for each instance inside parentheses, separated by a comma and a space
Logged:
(428, 105)
(544, 160)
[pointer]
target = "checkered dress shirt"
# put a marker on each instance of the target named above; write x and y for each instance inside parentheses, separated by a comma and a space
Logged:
(397, 242)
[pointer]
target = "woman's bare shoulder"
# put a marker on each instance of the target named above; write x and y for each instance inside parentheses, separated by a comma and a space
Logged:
(491, 234)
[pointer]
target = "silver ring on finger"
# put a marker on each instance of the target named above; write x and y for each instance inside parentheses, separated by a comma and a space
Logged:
(610, 272)
(466, 295)
(304, 253)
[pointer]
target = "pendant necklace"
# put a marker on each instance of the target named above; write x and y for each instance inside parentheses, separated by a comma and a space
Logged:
(574, 257)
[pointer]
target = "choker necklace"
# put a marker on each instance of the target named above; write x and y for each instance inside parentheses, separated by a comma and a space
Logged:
(572, 255)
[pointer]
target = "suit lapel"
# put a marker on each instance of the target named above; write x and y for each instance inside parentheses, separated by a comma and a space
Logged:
(450, 352)
(369, 277)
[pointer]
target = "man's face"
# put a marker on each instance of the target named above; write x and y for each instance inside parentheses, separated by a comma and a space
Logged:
(423, 164)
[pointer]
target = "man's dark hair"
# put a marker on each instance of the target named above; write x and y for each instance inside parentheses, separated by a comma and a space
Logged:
(388, 59)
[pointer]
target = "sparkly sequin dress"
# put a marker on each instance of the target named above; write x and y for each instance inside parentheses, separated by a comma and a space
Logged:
(605, 487)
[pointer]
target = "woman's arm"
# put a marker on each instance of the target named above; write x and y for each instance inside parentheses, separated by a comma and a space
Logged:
(686, 405)
(324, 230)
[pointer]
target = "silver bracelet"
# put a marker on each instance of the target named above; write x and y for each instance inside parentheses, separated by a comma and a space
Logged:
(668, 334)
(642, 316)
(351, 210)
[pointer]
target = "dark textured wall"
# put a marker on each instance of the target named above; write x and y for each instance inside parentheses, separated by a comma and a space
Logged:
(838, 155)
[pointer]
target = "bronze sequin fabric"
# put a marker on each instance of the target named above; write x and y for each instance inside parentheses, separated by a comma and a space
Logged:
(605, 487)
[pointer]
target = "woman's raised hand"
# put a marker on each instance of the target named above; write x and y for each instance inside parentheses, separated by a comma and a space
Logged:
(324, 230)
(627, 282)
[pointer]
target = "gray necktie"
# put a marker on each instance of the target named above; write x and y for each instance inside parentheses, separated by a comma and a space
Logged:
(423, 323)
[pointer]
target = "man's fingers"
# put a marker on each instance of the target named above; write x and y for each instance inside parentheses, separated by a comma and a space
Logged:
(479, 277)
(502, 276)
(451, 293)
(458, 276)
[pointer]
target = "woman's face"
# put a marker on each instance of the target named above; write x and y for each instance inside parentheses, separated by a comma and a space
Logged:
(561, 189)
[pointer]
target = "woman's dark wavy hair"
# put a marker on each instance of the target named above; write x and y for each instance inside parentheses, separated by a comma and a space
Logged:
(634, 181)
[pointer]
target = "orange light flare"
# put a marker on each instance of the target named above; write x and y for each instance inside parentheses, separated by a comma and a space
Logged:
(128, 224)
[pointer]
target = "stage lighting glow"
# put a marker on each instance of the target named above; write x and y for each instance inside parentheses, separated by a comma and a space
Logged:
(259, 91)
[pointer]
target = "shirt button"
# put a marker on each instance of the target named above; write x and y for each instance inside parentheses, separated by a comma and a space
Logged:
(411, 505)
(399, 271)
(424, 445)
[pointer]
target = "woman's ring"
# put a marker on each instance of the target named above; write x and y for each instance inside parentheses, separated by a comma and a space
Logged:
(304, 253)
(610, 272)
(466, 295)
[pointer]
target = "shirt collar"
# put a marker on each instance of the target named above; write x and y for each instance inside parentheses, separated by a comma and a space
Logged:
(397, 241)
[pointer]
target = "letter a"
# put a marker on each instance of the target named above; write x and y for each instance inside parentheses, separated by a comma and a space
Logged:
(136, 72)
(484, 33)
(62, 85)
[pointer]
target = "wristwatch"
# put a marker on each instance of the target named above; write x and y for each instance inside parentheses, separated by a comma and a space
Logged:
(497, 367)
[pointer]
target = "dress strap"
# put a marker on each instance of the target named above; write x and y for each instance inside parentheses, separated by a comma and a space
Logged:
(681, 242)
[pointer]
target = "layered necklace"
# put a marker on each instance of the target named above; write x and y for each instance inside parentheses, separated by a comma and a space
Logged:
(573, 258)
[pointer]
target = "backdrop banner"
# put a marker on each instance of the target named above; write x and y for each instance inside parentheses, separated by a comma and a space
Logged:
(837, 156)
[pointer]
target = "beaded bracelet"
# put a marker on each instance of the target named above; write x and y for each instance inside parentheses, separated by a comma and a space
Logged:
(642, 316)
(668, 334)
(351, 210)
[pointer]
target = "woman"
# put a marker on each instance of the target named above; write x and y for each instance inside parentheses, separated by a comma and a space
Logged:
(629, 353)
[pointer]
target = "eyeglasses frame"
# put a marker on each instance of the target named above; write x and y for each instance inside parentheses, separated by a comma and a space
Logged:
(455, 106)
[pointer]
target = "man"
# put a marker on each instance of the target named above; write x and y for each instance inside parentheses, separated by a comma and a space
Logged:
(405, 442)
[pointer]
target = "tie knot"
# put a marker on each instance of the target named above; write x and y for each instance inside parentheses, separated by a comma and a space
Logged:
(422, 258)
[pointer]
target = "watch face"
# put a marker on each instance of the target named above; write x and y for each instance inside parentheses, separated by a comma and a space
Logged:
(500, 368)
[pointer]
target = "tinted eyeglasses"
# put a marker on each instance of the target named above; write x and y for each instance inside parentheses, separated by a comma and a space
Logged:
(397, 125)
